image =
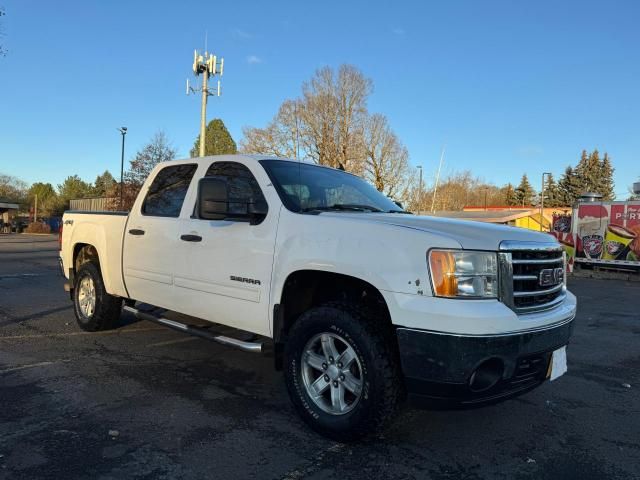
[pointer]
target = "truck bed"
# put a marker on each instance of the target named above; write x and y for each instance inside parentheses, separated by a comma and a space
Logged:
(105, 231)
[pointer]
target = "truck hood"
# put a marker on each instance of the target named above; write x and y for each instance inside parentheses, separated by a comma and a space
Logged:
(469, 234)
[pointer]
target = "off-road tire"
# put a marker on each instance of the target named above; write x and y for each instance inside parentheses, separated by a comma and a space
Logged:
(107, 307)
(372, 339)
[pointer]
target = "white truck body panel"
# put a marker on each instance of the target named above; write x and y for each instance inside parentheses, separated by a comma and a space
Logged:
(104, 232)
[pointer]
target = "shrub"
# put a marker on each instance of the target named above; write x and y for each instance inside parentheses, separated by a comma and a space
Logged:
(38, 227)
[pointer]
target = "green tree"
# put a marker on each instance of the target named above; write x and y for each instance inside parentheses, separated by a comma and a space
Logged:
(569, 187)
(509, 195)
(525, 193)
(73, 187)
(606, 185)
(47, 199)
(218, 140)
(104, 183)
(552, 193)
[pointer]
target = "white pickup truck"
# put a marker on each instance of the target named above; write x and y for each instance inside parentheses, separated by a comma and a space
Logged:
(361, 303)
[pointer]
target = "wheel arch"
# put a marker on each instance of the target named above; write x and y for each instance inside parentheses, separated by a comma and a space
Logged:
(307, 288)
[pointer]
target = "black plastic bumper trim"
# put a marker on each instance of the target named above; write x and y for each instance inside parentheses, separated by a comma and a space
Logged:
(437, 367)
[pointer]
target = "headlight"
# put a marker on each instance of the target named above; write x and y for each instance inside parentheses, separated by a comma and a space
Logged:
(464, 274)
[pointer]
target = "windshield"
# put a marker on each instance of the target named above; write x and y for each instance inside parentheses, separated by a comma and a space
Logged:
(312, 188)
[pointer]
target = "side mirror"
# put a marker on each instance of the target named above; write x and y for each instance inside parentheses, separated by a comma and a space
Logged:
(213, 199)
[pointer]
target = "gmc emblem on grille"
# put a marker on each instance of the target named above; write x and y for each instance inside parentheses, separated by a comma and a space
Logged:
(551, 276)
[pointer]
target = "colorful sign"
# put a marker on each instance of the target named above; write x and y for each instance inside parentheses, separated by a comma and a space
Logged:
(602, 232)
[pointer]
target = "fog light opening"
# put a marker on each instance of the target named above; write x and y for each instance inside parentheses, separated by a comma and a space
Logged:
(486, 375)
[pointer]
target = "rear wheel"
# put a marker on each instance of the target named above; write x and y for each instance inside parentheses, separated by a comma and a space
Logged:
(95, 309)
(341, 371)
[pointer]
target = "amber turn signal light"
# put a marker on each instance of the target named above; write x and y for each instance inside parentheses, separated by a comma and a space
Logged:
(443, 268)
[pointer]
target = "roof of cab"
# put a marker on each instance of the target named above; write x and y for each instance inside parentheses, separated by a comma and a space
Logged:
(236, 156)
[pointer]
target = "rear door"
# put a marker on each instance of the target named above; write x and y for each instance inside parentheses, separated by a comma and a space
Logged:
(223, 268)
(150, 239)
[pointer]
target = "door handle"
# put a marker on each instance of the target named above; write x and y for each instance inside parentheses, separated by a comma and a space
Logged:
(191, 238)
(136, 231)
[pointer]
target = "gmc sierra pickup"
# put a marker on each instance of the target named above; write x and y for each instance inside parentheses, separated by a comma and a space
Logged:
(361, 304)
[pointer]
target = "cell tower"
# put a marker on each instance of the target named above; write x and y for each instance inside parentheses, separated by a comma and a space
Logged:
(206, 65)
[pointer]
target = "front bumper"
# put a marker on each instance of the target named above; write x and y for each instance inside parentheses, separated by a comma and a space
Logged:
(445, 370)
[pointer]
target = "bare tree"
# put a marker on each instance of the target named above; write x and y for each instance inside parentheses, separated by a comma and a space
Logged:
(280, 137)
(386, 160)
(159, 149)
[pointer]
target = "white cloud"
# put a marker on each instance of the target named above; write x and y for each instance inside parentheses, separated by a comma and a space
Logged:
(254, 60)
(398, 31)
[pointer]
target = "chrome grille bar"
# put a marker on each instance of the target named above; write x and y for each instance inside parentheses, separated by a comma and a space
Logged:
(520, 266)
(537, 261)
(533, 293)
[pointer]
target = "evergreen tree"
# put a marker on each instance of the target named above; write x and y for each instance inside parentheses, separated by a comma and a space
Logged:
(510, 196)
(525, 193)
(218, 140)
(606, 185)
(73, 187)
(580, 173)
(103, 184)
(568, 187)
(552, 193)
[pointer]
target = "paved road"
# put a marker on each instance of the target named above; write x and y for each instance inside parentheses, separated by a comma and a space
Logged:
(186, 408)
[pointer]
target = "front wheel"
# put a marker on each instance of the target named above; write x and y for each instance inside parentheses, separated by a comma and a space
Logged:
(342, 372)
(95, 309)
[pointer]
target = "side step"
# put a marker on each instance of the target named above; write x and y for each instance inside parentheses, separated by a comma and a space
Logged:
(254, 347)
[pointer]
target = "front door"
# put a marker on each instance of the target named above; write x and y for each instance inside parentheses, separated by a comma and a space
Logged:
(150, 239)
(223, 268)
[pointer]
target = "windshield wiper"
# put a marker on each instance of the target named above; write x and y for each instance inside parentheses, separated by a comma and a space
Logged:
(400, 211)
(344, 207)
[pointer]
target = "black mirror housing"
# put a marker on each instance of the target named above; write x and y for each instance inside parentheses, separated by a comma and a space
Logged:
(213, 198)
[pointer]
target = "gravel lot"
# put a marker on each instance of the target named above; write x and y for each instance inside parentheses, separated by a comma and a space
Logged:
(143, 401)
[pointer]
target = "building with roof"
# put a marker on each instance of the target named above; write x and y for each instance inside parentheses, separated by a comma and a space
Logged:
(8, 211)
(526, 217)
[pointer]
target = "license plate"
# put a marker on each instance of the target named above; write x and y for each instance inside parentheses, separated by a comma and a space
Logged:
(558, 363)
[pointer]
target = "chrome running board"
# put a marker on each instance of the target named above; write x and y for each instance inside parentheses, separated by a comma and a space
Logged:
(253, 347)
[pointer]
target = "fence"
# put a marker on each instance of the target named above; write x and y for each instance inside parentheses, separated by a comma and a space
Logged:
(92, 204)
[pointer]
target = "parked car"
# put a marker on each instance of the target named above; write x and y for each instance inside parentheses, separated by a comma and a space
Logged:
(365, 304)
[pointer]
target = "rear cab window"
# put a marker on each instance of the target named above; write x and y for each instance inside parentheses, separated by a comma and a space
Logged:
(168, 190)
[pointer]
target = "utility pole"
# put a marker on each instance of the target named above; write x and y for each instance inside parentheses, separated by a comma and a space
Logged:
(542, 200)
(420, 192)
(35, 210)
(123, 131)
(206, 65)
(435, 189)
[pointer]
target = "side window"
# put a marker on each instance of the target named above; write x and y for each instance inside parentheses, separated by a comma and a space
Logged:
(168, 190)
(243, 188)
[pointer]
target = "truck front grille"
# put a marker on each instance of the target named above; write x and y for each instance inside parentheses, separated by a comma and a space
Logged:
(532, 276)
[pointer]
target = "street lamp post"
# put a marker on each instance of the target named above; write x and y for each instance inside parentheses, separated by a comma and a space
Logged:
(542, 200)
(123, 131)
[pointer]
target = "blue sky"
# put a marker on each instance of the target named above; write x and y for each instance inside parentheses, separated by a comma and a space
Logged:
(509, 87)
